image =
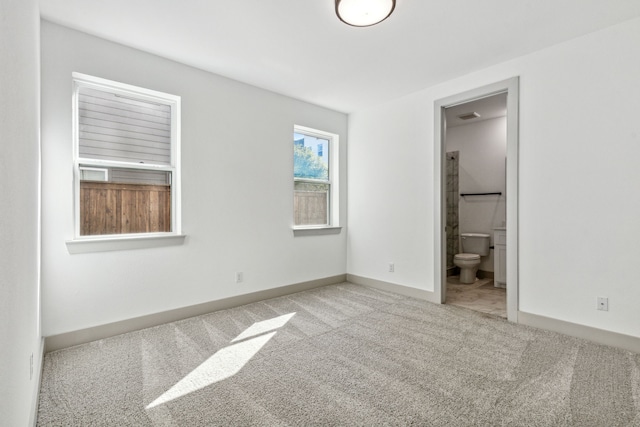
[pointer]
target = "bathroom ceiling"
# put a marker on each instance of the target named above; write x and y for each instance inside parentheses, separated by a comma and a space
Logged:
(487, 108)
(299, 48)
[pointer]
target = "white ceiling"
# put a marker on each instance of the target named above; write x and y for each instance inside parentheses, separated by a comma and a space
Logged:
(490, 107)
(299, 48)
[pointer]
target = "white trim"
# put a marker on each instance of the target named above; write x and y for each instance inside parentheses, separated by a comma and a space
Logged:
(122, 165)
(513, 138)
(126, 90)
(315, 231)
(599, 336)
(511, 87)
(37, 371)
(123, 242)
(407, 291)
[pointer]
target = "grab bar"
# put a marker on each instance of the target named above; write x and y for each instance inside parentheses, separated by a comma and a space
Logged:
(498, 193)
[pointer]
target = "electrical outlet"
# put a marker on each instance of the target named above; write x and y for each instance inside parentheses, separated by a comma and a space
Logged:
(392, 267)
(239, 277)
(603, 303)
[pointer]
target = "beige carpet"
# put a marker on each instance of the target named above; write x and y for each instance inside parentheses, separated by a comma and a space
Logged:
(341, 355)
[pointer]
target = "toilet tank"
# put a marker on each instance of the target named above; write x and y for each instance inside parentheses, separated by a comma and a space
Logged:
(475, 243)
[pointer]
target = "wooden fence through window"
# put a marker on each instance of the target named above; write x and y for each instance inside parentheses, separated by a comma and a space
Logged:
(310, 208)
(113, 208)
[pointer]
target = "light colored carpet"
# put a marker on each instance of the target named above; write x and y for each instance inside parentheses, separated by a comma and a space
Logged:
(341, 355)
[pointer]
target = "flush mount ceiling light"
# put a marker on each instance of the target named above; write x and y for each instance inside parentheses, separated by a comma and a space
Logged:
(363, 13)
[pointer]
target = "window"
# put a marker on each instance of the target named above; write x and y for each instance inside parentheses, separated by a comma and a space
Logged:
(126, 159)
(315, 189)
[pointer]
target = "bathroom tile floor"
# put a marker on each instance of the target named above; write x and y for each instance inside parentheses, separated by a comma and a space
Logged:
(479, 296)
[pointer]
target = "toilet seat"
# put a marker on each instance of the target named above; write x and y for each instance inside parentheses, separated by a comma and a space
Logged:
(468, 264)
(467, 257)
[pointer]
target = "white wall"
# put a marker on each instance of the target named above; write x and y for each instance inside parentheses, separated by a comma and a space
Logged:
(19, 210)
(578, 189)
(483, 150)
(237, 189)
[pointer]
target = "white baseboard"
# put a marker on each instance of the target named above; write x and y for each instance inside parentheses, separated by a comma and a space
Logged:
(57, 342)
(599, 336)
(393, 287)
(70, 339)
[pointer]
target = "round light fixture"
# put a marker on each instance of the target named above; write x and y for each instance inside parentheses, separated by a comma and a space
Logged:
(363, 13)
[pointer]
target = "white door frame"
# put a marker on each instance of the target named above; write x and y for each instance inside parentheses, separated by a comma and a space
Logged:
(511, 87)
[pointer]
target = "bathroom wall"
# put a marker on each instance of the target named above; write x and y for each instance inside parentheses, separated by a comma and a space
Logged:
(482, 148)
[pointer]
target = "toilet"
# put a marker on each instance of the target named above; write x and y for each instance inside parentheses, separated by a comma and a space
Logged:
(474, 246)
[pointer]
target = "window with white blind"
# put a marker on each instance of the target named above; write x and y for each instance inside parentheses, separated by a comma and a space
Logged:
(126, 157)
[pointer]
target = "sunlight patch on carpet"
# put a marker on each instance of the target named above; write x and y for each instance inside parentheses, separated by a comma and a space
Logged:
(226, 362)
(259, 328)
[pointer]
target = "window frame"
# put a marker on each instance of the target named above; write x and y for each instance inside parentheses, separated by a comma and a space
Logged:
(333, 205)
(174, 168)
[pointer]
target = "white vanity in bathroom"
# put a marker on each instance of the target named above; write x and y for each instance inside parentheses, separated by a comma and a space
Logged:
(500, 257)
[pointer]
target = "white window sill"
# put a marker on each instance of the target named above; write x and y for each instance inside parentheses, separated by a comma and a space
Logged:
(118, 243)
(316, 231)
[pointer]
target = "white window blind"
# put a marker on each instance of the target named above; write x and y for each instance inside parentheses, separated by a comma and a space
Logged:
(117, 128)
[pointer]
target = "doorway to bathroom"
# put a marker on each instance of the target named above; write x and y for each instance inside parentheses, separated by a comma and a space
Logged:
(476, 193)
(475, 196)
